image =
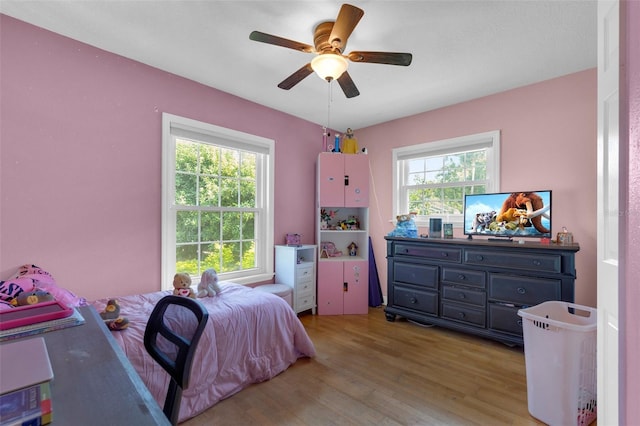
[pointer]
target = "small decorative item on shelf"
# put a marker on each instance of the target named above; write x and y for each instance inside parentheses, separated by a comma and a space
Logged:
(350, 224)
(293, 240)
(349, 143)
(353, 249)
(337, 143)
(328, 249)
(325, 217)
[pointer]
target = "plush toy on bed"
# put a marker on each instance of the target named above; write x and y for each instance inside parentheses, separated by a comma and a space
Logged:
(208, 286)
(182, 285)
(111, 316)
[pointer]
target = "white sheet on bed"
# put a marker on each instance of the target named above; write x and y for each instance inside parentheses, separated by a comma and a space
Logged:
(251, 337)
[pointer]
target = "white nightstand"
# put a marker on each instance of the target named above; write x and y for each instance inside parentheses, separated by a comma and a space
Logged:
(296, 267)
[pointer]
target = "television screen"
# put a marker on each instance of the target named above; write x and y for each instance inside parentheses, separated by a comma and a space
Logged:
(508, 214)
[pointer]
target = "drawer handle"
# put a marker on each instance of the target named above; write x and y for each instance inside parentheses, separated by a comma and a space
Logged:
(520, 322)
(480, 257)
(537, 262)
(521, 290)
(445, 254)
(413, 300)
(461, 277)
(461, 314)
(462, 296)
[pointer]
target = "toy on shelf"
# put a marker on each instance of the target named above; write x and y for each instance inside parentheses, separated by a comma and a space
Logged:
(328, 249)
(349, 143)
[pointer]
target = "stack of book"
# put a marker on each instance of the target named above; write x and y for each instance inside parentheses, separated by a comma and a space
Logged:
(25, 377)
(33, 323)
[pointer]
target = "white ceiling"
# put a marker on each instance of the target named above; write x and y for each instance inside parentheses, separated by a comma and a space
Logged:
(461, 49)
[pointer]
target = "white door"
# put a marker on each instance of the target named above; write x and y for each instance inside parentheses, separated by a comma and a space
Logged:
(608, 170)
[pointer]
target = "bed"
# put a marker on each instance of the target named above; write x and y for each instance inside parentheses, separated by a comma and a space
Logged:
(251, 336)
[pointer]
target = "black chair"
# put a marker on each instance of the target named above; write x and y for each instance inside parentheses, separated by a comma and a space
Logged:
(171, 338)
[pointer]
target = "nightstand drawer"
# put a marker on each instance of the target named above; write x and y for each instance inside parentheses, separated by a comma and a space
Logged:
(537, 262)
(305, 287)
(464, 277)
(523, 291)
(304, 272)
(306, 301)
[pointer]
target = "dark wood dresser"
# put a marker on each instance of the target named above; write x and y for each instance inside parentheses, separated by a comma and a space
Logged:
(475, 286)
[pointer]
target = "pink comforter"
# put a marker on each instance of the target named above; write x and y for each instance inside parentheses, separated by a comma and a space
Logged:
(251, 337)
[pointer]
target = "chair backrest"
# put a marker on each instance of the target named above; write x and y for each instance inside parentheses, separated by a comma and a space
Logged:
(171, 337)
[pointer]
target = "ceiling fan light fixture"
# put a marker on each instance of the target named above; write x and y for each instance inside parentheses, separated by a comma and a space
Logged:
(329, 66)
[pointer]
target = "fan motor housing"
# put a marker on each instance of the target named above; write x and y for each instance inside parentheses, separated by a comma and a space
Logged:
(321, 37)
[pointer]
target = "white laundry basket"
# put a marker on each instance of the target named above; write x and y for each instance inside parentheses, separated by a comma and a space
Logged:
(560, 357)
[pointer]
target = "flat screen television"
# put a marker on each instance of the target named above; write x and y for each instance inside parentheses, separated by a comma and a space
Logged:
(508, 214)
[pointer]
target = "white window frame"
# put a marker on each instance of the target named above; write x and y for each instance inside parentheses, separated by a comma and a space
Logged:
(235, 140)
(489, 140)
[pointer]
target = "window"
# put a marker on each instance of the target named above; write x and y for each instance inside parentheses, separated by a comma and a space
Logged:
(217, 193)
(431, 179)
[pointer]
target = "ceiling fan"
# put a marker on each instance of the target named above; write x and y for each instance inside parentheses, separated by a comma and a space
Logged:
(330, 40)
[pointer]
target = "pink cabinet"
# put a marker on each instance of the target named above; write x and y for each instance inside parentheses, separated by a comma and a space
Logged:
(343, 287)
(343, 180)
(343, 195)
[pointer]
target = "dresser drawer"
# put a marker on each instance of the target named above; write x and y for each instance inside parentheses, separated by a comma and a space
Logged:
(464, 295)
(423, 301)
(416, 274)
(427, 252)
(304, 272)
(523, 291)
(465, 314)
(505, 319)
(462, 276)
(531, 262)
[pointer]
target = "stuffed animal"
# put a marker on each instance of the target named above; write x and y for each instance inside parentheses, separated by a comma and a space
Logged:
(405, 227)
(111, 311)
(111, 316)
(32, 297)
(208, 286)
(182, 285)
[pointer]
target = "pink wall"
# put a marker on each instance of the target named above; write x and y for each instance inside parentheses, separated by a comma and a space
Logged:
(80, 157)
(548, 139)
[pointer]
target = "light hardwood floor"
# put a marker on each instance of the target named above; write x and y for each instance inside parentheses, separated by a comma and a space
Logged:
(369, 371)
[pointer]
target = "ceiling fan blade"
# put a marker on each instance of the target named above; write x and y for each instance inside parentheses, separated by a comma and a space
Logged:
(389, 58)
(279, 41)
(347, 19)
(348, 86)
(296, 77)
